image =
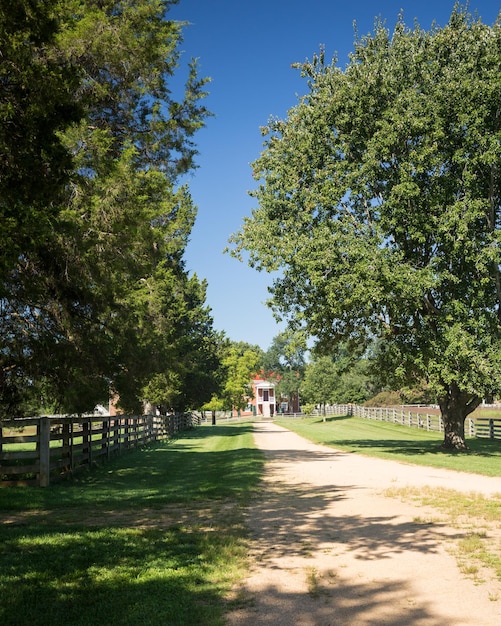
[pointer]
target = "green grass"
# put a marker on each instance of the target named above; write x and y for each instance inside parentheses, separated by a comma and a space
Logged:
(157, 536)
(400, 443)
(153, 537)
(483, 412)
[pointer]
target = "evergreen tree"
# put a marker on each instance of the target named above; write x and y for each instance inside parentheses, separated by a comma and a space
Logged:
(105, 299)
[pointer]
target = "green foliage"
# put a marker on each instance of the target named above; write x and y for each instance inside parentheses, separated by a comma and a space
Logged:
(214, 404)
(338, 379)
(284, 362)
(379, 202)
(288, 385)
(241, 363)
(37, 103)
(354, 386)
(308, 408)
(103, 298)
(287, 352)
(386, 398)
(320, 380)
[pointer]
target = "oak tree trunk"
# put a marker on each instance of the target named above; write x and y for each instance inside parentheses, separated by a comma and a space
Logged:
(455, 406)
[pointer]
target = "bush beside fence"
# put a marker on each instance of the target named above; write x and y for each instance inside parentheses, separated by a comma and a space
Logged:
(38, 450)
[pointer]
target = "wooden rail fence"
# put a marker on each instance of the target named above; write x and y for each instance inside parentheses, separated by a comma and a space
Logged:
(38, 450)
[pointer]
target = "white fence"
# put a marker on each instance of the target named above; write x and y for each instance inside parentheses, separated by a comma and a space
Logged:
(474, 427)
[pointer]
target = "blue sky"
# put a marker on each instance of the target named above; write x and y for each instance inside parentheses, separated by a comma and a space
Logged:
(247, 48)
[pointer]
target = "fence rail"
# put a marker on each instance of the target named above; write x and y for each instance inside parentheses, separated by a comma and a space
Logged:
(38, 450)
(486, 427)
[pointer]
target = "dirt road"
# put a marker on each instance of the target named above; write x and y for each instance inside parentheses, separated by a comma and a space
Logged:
(329, 548)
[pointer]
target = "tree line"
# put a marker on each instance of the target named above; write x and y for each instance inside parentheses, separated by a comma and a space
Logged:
(378, 201)
(312, 379)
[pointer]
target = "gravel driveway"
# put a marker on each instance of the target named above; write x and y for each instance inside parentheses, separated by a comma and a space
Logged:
(329, 548)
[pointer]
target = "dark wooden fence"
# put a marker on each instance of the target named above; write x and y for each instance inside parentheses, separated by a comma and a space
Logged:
(38, 450)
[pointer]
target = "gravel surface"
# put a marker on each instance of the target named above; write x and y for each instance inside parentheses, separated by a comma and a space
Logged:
(330, 548)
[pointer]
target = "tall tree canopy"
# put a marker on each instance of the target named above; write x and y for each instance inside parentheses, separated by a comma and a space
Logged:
(337, 379)
(286, 352)
(103, 299)
(37, 101)
(379, 201)
(320, 382)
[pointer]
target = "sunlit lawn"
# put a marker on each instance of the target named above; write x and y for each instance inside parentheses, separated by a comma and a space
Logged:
(153, 537)
(157, 536)
(393, 441)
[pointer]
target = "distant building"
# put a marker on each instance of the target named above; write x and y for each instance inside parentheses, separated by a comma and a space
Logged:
(264, 402)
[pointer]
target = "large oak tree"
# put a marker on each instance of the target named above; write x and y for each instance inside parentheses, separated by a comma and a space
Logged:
(379, 202)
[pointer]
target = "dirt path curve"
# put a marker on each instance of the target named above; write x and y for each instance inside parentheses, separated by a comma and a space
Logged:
(330, 549)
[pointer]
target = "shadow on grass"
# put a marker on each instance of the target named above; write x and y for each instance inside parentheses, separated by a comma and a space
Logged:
(106, 576)
(391, 446)
(179, 470)
(148, 538)
(318, 419)
(414, 445)
(477, 447)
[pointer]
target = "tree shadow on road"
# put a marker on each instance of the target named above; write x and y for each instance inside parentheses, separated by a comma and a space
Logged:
(297, 519)
(296, 525)
(333, 600)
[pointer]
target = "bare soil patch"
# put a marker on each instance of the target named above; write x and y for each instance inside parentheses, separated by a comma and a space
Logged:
(330, 547)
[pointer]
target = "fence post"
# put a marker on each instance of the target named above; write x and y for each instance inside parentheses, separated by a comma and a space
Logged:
(87, 441)
(44, 451)
(471, 427)
(67, 446)
(124, 433)
(491, 429)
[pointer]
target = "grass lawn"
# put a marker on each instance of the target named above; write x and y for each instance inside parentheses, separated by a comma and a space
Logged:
(154, 537)
(157, 535)
(400, 443)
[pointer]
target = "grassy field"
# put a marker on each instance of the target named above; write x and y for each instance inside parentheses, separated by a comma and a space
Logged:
(157, 536)
(400, 443)
(153, 537)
